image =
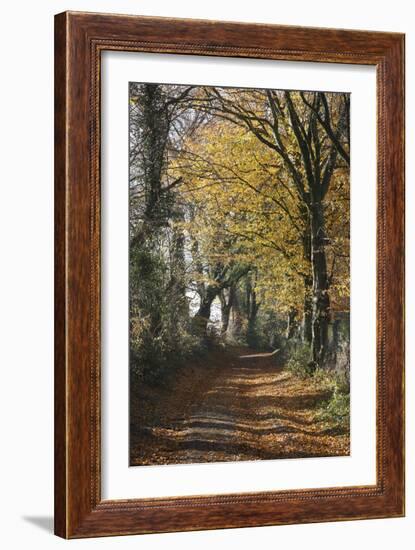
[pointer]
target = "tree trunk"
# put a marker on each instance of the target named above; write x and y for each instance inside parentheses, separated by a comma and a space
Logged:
(226, 302)
(179, 310)
(308, 279)
(252, 307)
(236, 317)
(291, 323)
(321, 301)
(155, 131)
(308, 311)
(201, 319)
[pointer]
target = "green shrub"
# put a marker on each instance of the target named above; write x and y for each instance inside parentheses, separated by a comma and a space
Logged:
(337, 409)
(299, 360)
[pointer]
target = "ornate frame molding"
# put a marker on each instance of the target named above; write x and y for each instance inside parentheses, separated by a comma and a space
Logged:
(79, 40)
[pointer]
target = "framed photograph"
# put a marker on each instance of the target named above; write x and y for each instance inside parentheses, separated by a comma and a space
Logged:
(229, 275)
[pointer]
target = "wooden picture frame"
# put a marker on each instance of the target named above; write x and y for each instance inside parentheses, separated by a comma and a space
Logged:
(79, 40)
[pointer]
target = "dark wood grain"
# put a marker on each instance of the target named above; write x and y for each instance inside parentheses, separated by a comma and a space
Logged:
(79, 40)
(60, 277)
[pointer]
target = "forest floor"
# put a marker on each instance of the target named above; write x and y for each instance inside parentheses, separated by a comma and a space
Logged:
(232, 405)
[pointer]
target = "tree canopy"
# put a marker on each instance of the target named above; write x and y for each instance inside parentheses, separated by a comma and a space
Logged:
(239, 201)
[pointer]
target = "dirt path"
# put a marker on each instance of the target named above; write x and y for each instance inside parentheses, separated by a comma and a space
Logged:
(244, 408)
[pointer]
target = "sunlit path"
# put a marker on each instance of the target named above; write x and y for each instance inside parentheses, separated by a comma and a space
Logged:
(247, 408)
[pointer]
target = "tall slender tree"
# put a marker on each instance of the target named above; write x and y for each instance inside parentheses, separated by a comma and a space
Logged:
(308, 132)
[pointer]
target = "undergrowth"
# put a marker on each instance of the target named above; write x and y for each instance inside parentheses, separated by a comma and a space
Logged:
(336, 409)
